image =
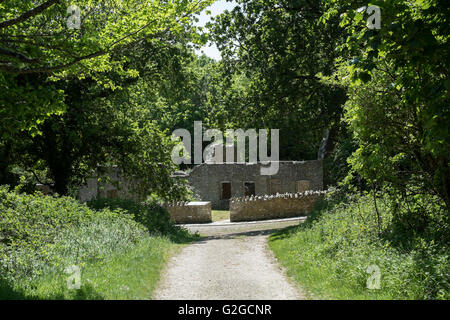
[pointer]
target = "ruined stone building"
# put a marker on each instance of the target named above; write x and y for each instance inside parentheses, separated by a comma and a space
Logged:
(116, 187)
(218, 183)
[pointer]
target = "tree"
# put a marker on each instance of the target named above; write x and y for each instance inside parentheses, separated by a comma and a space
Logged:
(275, 53)
(65, 109)
(36, 41)
(37, 38)
(102, 128)
(399, 101)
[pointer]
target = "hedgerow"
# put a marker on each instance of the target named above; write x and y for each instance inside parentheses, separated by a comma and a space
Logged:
(41, 236)
(148, 213)
(342, 244)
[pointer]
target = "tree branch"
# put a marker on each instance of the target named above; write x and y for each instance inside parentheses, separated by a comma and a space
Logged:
(31, 13)
(10, 69)
(17, 55)
(38, 180)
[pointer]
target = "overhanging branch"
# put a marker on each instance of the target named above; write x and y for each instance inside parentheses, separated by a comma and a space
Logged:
(17, 55)
(31, 13)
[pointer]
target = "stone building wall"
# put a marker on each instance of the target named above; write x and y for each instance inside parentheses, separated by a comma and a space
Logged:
(207, 180)
(117, 187)
(273, 207)
(190, 212)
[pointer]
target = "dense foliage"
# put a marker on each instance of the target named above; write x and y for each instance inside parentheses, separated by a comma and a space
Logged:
(41, 236)
(273, 53)
(36, 41)
(398, 107)
(335, 253)
(149, 213)
(64, 108)
(75, 103)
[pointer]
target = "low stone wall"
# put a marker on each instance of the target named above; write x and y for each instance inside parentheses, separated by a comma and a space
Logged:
(190, 212)
(273, 207)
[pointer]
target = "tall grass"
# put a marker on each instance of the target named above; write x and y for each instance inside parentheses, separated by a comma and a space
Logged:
(342, 247)
(150, 214)
(129, 274)
(119, 250)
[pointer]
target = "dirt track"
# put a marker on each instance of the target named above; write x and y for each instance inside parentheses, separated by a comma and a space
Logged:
(231, 262)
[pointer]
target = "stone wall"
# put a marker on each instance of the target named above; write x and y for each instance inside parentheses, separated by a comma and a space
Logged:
(273, 207)
(190, 212)
(293, 176)
(116, 187)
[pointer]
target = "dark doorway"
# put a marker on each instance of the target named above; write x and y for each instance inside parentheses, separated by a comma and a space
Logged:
(226, 191)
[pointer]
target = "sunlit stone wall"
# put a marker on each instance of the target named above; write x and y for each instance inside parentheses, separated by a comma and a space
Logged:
(273, 206)
(190, 212)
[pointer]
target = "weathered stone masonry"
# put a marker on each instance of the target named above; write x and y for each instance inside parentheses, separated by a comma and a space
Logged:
(190, 212)
(273, 207)
(220, 182)
(118, 187)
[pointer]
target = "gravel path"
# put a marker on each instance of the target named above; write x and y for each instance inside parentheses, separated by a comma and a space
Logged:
(232, 262)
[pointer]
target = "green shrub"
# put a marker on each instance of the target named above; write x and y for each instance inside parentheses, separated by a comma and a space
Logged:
(329, 254)
(44, 235)
(34, 220)
(120, 247)
(150, 214)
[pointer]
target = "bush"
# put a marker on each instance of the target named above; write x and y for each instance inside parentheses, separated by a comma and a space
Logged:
(331, 252)
(149, 213)
(41, 235)
(32, 221)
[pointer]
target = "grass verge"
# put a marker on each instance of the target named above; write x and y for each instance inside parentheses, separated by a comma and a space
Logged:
(133, 275)
(340, 254)
(57, 248)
